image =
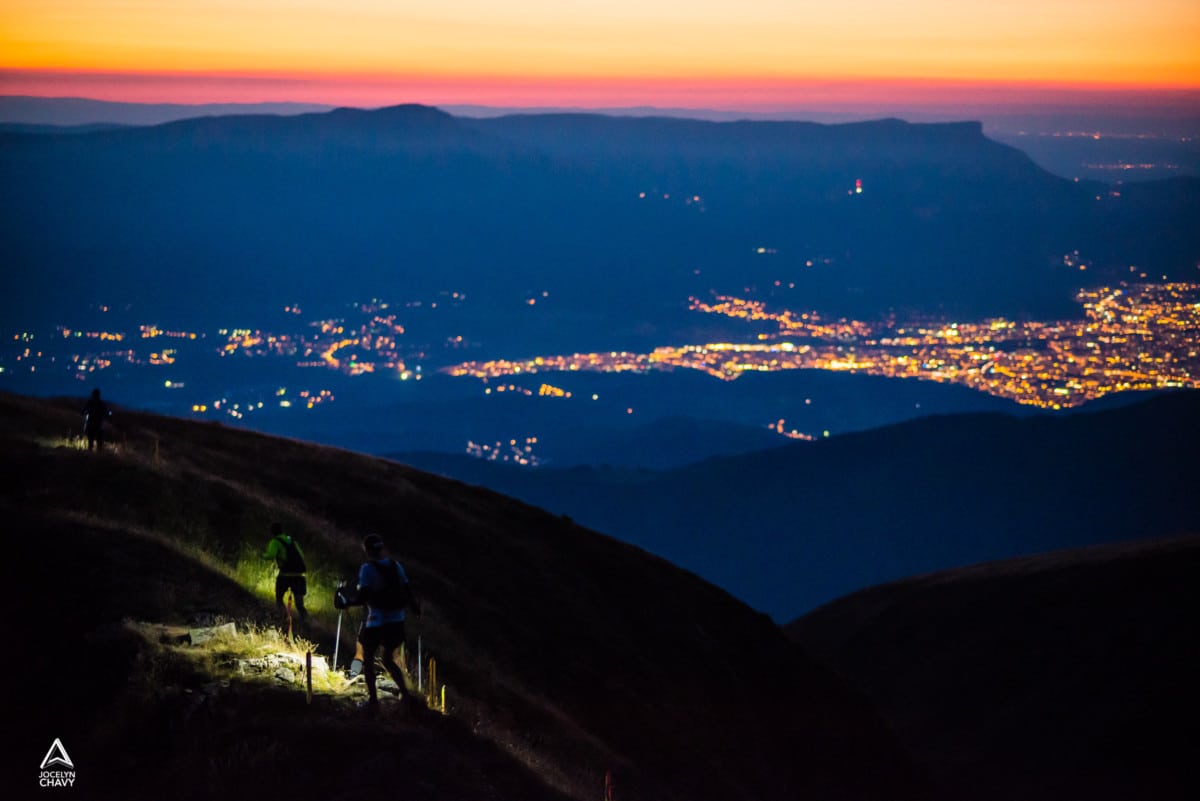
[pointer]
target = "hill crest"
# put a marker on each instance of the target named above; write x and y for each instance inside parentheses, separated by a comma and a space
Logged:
(567, 653)
(1063, 675)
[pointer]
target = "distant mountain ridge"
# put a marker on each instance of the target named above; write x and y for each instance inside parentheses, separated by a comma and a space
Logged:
(74, 111)
(621, 215)
(1149, 142)
(1175, 113)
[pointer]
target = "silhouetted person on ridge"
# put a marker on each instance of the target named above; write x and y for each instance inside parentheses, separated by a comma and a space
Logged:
(383, 586)
(290, 559)
(95, 412)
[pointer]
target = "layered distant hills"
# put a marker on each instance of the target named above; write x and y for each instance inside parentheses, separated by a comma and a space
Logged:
(790, 528)
(620, 218)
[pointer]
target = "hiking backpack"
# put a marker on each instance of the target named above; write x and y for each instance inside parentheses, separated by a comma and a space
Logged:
(394, 594)
(292, 561)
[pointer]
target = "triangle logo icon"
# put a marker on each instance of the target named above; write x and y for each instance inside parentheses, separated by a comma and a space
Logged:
(57, 755)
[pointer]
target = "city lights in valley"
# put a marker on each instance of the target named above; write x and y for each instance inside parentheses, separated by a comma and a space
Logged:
(1132, 337)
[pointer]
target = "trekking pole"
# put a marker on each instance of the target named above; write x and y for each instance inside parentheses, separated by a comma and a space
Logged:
(337, 640)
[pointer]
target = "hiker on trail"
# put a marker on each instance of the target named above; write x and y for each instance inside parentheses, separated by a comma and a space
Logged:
(287, 554)
(95, 412)
(383, 586)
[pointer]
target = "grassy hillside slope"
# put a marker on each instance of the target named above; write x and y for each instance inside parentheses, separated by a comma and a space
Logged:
(1067, 675)
(565, 654)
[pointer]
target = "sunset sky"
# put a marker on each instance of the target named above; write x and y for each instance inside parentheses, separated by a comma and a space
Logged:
(746, 54)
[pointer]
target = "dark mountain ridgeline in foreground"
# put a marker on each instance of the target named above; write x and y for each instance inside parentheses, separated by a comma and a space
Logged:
(566, 653)
(793, 527)
(1065, 675)
(401, 200)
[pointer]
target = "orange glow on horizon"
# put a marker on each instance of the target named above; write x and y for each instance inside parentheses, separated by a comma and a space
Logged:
(753, 53)
(715, 93)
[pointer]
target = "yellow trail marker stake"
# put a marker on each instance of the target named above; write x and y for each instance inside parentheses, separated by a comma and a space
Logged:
(291, 639)
(443, 699)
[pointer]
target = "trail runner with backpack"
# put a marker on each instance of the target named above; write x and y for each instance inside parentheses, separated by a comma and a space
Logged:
(384, 588)
(95, 412)
(290, 559)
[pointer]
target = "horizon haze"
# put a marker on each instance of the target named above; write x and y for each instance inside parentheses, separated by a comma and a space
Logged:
(759, 56)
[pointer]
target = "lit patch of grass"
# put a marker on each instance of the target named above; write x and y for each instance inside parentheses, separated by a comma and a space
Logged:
(319, 600)
(258, 576)
(218, 658)
(255, 573)
(253, 640)
(76, 442)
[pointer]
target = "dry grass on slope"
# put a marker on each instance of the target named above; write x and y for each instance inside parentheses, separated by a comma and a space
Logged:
(566, 653)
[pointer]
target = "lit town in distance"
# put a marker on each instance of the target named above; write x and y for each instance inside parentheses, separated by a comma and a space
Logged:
(1133, 337)
(1137, 336)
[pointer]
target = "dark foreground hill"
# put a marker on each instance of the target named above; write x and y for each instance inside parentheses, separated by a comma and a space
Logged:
(793, 527)
(565, 654)
(1069, 675)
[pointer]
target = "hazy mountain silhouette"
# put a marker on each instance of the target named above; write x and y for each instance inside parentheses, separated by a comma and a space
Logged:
(38, 128)
(793, 527)
(1068, 675)
(231, 212)
(680, 417)
(80, 111)
(566, 653)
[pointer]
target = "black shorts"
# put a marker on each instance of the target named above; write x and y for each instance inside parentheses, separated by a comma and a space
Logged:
(389, 635)
(296, 584)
